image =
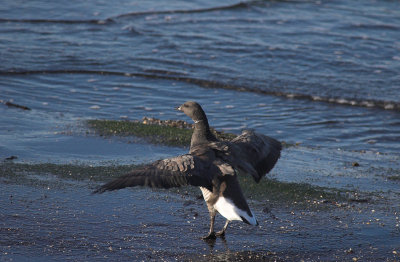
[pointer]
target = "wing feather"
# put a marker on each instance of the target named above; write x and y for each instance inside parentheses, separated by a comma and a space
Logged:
(171, 172)
(252, 153)
(260, 151)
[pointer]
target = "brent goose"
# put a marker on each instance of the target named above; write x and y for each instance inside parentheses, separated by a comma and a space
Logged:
(212, 165)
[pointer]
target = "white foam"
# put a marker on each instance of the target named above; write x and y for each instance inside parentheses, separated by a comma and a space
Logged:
(317, 98)
(389, 106)
(342, 101)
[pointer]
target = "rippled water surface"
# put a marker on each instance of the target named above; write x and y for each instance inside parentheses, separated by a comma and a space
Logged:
(325, 72)
(323, 75)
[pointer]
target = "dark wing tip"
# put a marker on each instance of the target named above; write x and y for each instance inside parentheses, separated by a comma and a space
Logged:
(99, 190)
(266, 164)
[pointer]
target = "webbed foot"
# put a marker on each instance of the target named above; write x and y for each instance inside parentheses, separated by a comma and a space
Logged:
(210, 236)
(220, 233)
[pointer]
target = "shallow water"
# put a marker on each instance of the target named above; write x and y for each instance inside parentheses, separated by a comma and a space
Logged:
(322, 75)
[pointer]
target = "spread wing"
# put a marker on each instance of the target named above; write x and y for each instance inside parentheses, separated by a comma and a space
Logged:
(260, 151)
(172, 172)
(252, 153)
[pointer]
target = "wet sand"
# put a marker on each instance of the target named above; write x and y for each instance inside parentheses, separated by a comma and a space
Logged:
(54, 219)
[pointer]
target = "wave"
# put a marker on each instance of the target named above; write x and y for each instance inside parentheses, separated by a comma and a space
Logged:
(372, 27)
(174, 76)
(189, 11)
(56, 21)
(132, 14)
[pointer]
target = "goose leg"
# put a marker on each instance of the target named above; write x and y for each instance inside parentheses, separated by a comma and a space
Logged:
(222, 232)
(211, 234)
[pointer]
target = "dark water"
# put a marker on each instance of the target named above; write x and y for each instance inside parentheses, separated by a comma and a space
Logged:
(133, 59)
(321, 74)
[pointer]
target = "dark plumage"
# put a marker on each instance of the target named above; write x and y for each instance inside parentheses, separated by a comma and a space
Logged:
(212, 165)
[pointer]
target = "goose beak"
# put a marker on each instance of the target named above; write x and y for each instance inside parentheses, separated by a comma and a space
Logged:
(179, 108)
